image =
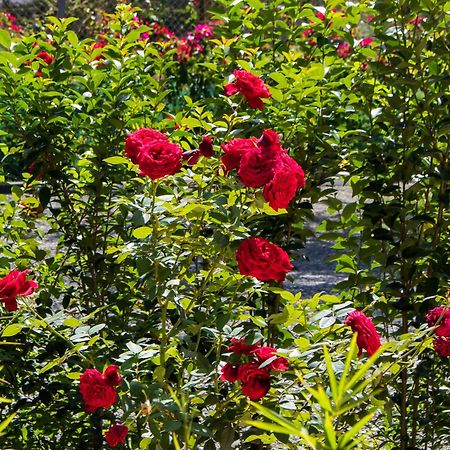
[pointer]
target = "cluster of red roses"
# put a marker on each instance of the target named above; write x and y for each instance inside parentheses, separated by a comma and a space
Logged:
(13, 285)
(254, 374)
(44, 58)
(9, 22)
(439, 317)
(98, 391)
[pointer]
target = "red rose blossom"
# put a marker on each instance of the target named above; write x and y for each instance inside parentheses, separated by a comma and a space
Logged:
(263, 260)
(344, 49)
(270, 140)
(116, 435)
(46, 57)
(234, 150)
(288, 178)
(434, 315)
(366, 41)
(229, 373)
(206, 147)
(250, 86)
(257, 167)
(13, 285)
(239, 346)
(441, 345)
(368, 337)
(255, 382)
(155, 155)
(265, 353)
(97, 389)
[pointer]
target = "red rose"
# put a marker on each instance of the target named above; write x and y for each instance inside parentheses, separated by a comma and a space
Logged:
(191, 156)
(250, 86)
(366, 41)
(368, 337)
(112, 376)
(116, 435)
(155, 155)
(234, 150)
(271, 141)
(13, 285)
(229, 373)
(344, 49)
(288, 178)
(206, 147)
(441, 345)
(257, 166)
(265, 353)
(255, 382)
(96, 389)
(239, 346)
(139, 140)
(263, 260)
(46, 57)
(434, 315)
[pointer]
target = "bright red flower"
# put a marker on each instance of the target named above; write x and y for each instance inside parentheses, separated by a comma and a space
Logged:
(97, 389)
(250, 86)
(320, 15)
(263, 260)
(239, 346)
(441, 313)
(255, 382)
(265, 353)
(116, 435)
(257, 167)
(13, 285)
(46, 57)
(191, 156)
(441, 345)
(229, 373)
(234, 150)
(288, 178)
(206, 147)
(139, 140)
(368, 338)
(155, 155)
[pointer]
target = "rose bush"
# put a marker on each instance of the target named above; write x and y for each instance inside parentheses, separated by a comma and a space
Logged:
(165, 262)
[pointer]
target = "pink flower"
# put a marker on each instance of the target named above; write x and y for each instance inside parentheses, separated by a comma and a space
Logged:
(13, 285)
(366, 41)
(265, 353)
(344, 49)
(368, 338)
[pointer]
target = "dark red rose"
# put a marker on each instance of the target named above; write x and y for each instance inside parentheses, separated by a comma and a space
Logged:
(191, 157)
(255, 382)
(265, 353)
(239, 346)
(257, 167)
(112, 376)
(140, 139)
(13, 285)
(156, 156)
(270, 140)
(263, 260)
(206, 147)
(234, 150)
(250, 86)
(441, 345)
(116, 435)
(288, 178)
(368, 338)
(96, 390)
(229, 373)
(366, 42)
(46, 57)
(441, 313)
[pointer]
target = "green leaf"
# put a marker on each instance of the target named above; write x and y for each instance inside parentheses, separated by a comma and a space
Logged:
(5, 39)
(12, 330)
(7, 421)
(116, 160)
(142, 232)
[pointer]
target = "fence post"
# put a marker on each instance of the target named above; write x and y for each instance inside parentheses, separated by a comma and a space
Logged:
(61, 9)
